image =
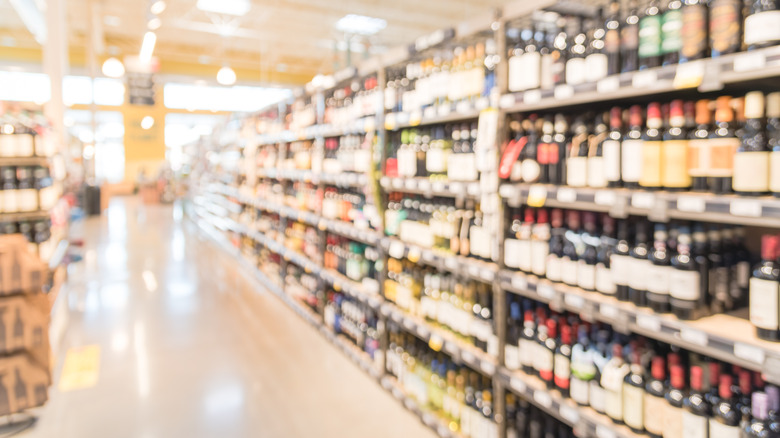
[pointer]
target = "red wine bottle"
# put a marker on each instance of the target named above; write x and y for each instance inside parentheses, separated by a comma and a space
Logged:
(675, 397)
(629, 39)
(654, 403)
(562, 365)
(765, 291)
(640, 266)
(725, 415)
(697, 410)
(660, 271)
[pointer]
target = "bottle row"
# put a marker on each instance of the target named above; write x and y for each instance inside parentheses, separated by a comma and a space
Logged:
(23, 133)
(573, 49)
(38, 234)
(676, 146)
(26, 189)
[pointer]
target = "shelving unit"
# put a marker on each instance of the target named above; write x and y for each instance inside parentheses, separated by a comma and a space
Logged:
(728, 337)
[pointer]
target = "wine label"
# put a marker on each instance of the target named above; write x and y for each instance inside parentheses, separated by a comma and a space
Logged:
(650, 36)
(579, 391)
(604, 281)
(25, 145)
(774, 171)
(543, 362)
(562, 370)
(611, 151)
(633, 406)
(527, 352)
(546, 78)
(699, 158)
(569, 271)
(531, 170)
(694, 30)
(512, 250)
(637, 278)
(671, 31)
(436, 160)
(596, 175)
(407, 163)
(8, 145)
(596, 67)
(658, 279)
(10, 204)
(512, 357)
(751, 171)
(598, 397)
(515, 73)
(586, 275)
(524, 255)
(725, 25)
(575, 71)
(620, 265)
(722, 151)
(27, 199)
(612, 41)
(694, 426)
(743, 274)
(675, 169)
(613, 404)
(764, 303)
(654, 414)
(539, 251)
(673, 422)
(651, 164)
(762, 27)
(577, 171)
(554, 267)
(684, 285)
(720, 430)
(631, 160)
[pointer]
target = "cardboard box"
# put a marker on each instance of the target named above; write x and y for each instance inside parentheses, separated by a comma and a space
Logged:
(24, 326)
(20, 270)
(23, 384)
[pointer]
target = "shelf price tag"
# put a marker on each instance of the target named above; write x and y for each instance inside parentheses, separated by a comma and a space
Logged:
(566, 195)
(570, 414)
(429, 112)
(543, 398)
(563, 92)
(604, 432)
(487, 367)
(467, 357)
(396, 250)
(409, 324)
(608, 311)
(435, 342)
(745, 207)
(644, 79)
(424, 185)
(423, 332)
(474, 271)
(519, 283)
(749, 61)
(608, 85)
(438, 187)
(518, 385)
(506, 101)
(462, 107)
(574, 301)
(487, 275)
(691, 204)
(414, 254)
(689, 74)
(537, 195)
(410, 184)
(397, 183)
(532, 96)
(451, 263)
(415, 118)
(693, 336)
(604, 197)
(642, 200)
(749, 352)
(648, 322)
(444, 110)
(546, 291)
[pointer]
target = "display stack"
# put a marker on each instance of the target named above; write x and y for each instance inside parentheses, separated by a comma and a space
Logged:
(556, 222)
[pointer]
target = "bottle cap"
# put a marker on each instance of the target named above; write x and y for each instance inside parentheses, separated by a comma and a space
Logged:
(541, 216)
(745, 382)
(657, 368)
(773, 105)
(724, 386)
(552, 328)
(574, 219)
(677, 376)
(773, 392)
(528, 316)
(723, 111)
(714, 369)
(754, 105)
(769, 246)
(738, 104)
(676, 108)
(703, 113)
(557, 218)
(607, 224)
(616, 117)
(617, 350)
(529, 216)
(566, 334)
(760, 405)
(654, 111)
(635, 116)
(696, 377)
(758, 381)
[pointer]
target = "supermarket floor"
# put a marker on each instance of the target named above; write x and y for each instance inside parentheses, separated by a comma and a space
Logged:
(169, 339)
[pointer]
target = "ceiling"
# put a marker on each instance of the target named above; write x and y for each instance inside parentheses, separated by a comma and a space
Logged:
(279, 41)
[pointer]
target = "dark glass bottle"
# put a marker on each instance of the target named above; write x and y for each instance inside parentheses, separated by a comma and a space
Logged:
(725, 27)
(561, 139)
(659, 274)
(671, 32)
(596, 58)
(634, 396)
(528, 343)
(674, 157)
(652, 149)
(654, 403)
(559, 54)
(562, 365)
(650, 54)
(719, 296)
(765, 291)
(629, 39)
(761, 28)
(569, 261)
(604, 279)
(611, 148)
(695, 28)
(723, 143)
(557, 242)
(685, 282)
(576, 72)
(675, 397)
(758, 427)
(577, 157)
(699, 147)
(545, 356)
(640, 266)
(620, 262)
(631, 150)
(529, 160)
(751, 163)
(545, 152)
(773, 140)
(589, 242)
(612, 38)
(725, 415)
(697, 410)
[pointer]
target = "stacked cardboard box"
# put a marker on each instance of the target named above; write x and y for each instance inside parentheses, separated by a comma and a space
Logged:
(24, 327)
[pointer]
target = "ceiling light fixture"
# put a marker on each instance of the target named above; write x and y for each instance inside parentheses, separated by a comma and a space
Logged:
(228, 7)
(157, 7)
(147, 122)
(154, 23)
(147, 47)
(360, 24)
(113, 68)
(226, 76)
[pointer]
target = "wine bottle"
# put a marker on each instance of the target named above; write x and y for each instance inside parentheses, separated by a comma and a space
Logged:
(513, 330)
(650, 54)
(639, 266)
(760, 412)
(723, 146)
(559, 54)
(674, 157)
(527, 66)
(751, 163)
(562, 365)
(629, 39)
(512, 241)
(612, 38)
(696, 412)
(712, 395)
(694, 30)
(631, 150)
(773, 140)
(524, 244)
(544, 361)
(634, 396)
(726, 418)
(557, 241)
(577, 159)
(576, 72)
(528, 343)
(595, 171)
(540, 243)
(569, 261)
(620, 262)
(583, 369)
(547, 61)
(671, 32)
(530, 168)
(587, 253)
(596, 60)
(719, 296)
(599, 351)
(725, 27)
(604, 278)
(612, 379)
(654, 401)
(761, 28)
(660, 272)
(561, 139)
(765, 291)
(673, 413)
(652, 148)
(544, 151)
(611, 148)
(685, 282)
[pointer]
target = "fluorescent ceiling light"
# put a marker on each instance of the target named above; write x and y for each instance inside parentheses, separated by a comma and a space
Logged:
(229, 7)
(360, 24)
(157, 7)
(32, 17)
(147, 47)
(154, 23)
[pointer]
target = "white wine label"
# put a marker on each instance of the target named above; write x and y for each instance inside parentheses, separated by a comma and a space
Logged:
(569, 271)
(554, 268)
(604, 282)
(596, 176)
(764, 303)
(539, 250)
(531, 170)
(654, 414)
(596, 67)
(512, 248)
(436, 160)
(751, 171)
(562, 367)
(673, 422)
(407, 163)
(694, 426)
(684, 285)
(637, 278)
(762, 27)
(579, 390)
(620, 265)
(512, 357)
(774, 171)
(631, 160)
(720, 430)
(575, 71)
(598, 397)
(577, 171)
(633, 406)
(586, 275)
(658, 279)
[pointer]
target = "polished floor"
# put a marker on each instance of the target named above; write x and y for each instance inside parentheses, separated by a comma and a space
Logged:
(189, 346)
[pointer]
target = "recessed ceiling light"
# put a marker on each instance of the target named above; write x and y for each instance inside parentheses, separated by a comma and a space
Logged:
(112, 20)
(228, 7)
(154, 23)
(360, 24)
(226, 76)
(113, 68)
(147, 122)
(157, 7)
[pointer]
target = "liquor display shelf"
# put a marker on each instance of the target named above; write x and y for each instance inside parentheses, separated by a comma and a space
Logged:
(585, 420)
(344, 179)
(465, 110)
(432, 187)
(658, 206)
(442, 340)
(362, 125)
(390, 384)
(24, 161)
(728, 337)
(24, 216)
(473, 268)
(709, 74)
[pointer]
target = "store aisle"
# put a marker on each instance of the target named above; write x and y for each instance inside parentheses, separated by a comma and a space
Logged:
(188, 347)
